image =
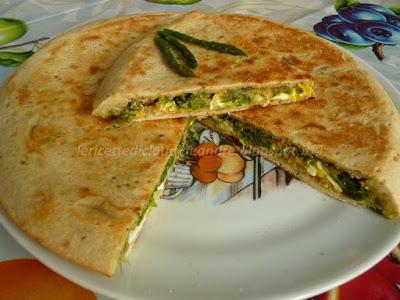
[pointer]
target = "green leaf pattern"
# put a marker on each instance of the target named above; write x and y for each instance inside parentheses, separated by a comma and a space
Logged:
(11, 30)
(396, 10)
(181, 2)
(13, 59)
(344, 3)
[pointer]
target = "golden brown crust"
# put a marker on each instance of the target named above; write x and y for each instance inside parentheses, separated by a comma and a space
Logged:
(74, 183)
(135, 73)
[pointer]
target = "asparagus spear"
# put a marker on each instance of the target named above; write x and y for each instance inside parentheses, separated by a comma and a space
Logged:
(221, 47)
(165, 48)
(186, 53)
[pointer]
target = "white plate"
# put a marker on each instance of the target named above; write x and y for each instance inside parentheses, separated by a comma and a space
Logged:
(292, 243)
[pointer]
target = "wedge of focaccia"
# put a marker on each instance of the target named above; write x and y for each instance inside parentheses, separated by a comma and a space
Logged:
(142, 86)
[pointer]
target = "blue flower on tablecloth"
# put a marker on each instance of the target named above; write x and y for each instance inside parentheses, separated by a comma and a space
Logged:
(361, 25)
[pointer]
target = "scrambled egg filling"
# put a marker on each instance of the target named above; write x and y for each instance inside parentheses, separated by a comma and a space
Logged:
(325, 173)
(137, 227)
(219, 100)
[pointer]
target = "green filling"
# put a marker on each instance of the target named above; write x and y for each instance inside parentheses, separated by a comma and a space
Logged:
(131, 110)
(282, 89)
(152, 201)
(192, 140)
(251, 135)
(217, 100)
(351, 186)
(327, 173)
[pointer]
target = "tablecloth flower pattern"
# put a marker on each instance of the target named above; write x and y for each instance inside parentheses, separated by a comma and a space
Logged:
(361, 25)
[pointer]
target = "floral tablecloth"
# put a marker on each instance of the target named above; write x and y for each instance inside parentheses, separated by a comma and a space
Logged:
(35, 21)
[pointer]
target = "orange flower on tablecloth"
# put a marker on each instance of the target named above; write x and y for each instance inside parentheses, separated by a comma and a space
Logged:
(28, 279)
